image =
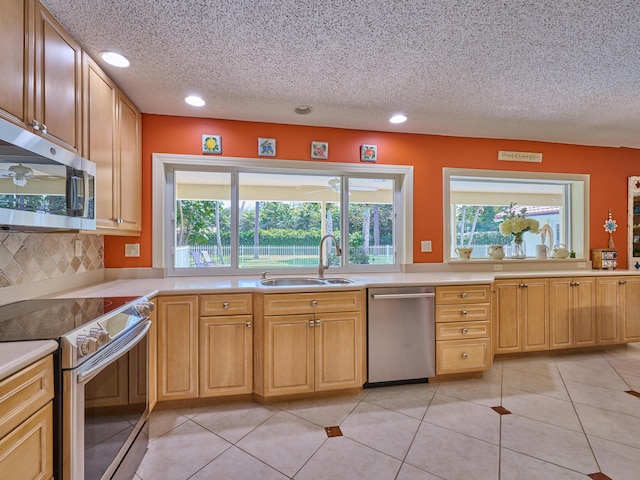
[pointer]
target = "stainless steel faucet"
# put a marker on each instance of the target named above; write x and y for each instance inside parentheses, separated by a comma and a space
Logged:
(321, 266)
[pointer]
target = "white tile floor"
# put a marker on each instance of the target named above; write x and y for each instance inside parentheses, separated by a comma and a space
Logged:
(570, 418)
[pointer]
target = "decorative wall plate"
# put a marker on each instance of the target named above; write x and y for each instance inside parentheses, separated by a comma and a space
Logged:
(212, 144)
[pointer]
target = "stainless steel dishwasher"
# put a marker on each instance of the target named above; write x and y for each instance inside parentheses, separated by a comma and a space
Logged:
(400, 335)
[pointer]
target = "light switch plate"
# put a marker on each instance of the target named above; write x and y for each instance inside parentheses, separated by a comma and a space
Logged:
(425, 246)
(497, 268)
(131, 249)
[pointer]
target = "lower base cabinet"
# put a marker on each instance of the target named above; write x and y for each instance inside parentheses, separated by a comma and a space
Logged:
(26, 423)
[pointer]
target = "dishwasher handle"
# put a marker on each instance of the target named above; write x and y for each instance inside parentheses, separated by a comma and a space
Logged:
(386, 296)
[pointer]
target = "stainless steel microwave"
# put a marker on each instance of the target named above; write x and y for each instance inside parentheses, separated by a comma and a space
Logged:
(43, 187)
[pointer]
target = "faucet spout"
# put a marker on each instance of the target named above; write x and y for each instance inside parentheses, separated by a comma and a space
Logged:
(321, 266)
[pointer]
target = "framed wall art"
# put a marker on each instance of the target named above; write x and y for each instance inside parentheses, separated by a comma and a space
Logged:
(320, 150)
(368, 153)
(266, 147)
(212, 144)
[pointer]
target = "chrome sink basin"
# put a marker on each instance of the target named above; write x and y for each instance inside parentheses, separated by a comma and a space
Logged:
(337, 281)
(281, 282)
(296, 281)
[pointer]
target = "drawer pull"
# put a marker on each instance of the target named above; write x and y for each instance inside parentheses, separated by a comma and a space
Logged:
(464, 313)
(464, 294)
(248, 324)
(465, 356)
(314, 303)
(225, 305)
(465, 331)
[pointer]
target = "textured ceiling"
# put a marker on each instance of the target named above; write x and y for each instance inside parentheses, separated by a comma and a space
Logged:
(552, 70)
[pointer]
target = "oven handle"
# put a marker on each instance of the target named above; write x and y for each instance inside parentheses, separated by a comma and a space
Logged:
(115, 351)
(386, 296)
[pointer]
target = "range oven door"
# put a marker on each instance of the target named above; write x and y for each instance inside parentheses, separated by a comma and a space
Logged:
(105, 411)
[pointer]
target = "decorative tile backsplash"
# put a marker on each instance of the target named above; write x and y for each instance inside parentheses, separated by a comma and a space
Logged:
(29, 257)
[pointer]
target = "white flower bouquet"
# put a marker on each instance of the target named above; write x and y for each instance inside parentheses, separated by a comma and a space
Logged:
(516, 223)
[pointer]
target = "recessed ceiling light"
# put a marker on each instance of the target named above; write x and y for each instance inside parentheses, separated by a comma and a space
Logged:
(115, 59)
(194, 101)
(398, 118)
(302, 109)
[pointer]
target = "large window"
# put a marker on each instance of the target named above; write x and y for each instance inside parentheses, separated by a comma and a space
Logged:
(234, 218)
(477, 201)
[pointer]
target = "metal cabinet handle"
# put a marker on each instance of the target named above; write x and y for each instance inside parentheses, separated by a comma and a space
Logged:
(317, 323)
(314, 303)
(44, 128)
(574, 284)
(464, 313)
(465, 356)
(225, 305)
(464, 294)
(248, 324)
(622, 282)
(465, 331)
(524, 285)
(35, 124)
(311, 323)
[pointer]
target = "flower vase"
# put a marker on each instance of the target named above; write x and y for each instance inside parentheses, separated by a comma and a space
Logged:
(518, 249)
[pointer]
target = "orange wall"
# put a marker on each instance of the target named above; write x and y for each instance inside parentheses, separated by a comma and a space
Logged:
(608, 167)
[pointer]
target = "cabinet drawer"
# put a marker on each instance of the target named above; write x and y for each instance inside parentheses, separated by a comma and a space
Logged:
(460, 356)
(24, 393)
(235, 304)
(463, 294)
(462, 330)
(463, 313)
(291, 303)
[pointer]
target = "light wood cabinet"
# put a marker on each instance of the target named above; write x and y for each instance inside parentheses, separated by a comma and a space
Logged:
(226, 345)
(41, 64)
(26, 422)
(153, 356)
(521, 315)
(463, 329)
(310, 342)
(112, 142)
(177, 347)
(618, 309)
(572, 314)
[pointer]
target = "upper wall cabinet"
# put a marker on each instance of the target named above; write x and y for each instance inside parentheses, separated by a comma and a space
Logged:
(112, 141)
(41, 65)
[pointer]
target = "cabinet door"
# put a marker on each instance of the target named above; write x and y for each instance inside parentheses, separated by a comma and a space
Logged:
(27, 452)
(609, 309)
(534, 314)
(338, 351)
(100, 137)
(584, 311)
(16, 45)
(177, 347)
(226, 355)
(631, 310)
(506, 306)
(128, 172)
(57, 81)
(288, 354)
(560, 306)
(153, 358)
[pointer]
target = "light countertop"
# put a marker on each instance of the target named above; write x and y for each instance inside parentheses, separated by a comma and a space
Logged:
(14, 356)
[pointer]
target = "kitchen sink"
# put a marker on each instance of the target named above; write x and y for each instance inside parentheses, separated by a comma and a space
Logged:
(295, 281)
(337, 281)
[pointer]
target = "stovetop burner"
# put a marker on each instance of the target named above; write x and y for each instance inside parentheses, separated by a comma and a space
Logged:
(49, 319)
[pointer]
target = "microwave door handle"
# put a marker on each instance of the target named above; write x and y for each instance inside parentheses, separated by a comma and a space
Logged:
(86, 375)
(85, 193)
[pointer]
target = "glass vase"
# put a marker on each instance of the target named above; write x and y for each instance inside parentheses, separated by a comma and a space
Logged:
(518, 247)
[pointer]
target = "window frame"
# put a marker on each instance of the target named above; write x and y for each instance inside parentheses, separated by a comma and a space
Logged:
(577, 203)
(163, 197)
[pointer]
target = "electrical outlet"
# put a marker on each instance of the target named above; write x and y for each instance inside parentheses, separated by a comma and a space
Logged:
(425, 246)
(582, 264)
(78, 248)
(132, 250)
(497, 268)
